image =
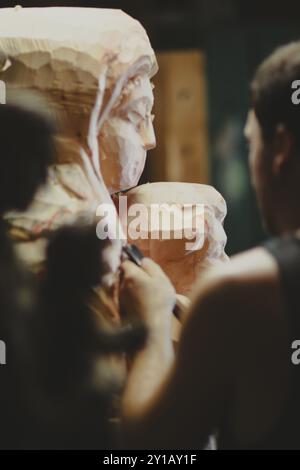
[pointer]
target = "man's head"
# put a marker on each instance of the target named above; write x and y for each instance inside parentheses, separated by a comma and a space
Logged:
(273, 133)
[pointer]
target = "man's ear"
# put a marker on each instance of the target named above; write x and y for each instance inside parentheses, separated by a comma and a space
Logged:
(284, 146)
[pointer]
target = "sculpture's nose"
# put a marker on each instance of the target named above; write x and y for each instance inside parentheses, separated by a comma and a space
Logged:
(148, 135)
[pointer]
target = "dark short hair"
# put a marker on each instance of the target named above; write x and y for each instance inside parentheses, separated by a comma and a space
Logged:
(272, 91)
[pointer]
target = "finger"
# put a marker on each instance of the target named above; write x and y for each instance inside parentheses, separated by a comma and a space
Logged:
(131, 270)
(152, 268)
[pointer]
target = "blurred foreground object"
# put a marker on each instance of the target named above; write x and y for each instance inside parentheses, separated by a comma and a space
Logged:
(78, 367)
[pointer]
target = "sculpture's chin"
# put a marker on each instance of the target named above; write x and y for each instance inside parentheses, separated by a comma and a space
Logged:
(125, 177)
(122, 156)
(132, 176)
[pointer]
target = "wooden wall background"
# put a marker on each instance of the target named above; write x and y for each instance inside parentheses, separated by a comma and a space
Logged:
(181, 119)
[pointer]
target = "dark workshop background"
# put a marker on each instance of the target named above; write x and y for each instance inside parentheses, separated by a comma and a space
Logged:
(220, 42)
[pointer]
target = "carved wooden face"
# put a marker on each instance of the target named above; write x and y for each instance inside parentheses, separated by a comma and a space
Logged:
(127, 135)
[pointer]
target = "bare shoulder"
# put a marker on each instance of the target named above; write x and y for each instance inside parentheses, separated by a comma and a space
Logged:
(252, 269)
(252, 265)
(245, 293)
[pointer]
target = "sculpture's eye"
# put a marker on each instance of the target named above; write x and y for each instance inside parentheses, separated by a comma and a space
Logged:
(135, 118)
(138, 112)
